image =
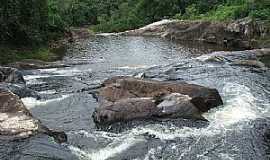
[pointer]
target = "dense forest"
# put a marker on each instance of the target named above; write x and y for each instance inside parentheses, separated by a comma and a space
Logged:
(32, 22)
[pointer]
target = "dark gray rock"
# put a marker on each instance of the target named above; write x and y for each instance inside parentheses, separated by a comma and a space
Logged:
(126, 98)
(177, 105)
(11, 75)
(12, 79)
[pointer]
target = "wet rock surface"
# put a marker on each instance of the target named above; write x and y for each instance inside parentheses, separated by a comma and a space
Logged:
(29, 64)
(127, 98)
(249, 58)
(18, 123)
(11, 75)
(11, 79)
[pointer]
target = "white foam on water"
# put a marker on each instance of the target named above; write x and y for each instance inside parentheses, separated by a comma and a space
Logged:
(62, 71)
(53, 91)
(34, 81)
(48, 70)
(225, 156)
(107, 152)
(55, 72)
(31, 102)
(95, 135)
(150, 154)
(33, 77)
(239, 106)
(135, 67)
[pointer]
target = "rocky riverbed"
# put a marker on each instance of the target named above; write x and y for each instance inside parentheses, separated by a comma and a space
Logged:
(65, 99)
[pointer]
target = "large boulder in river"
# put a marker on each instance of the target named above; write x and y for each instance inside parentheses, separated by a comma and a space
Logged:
(127, 87)
(16, 122)
(127, 98)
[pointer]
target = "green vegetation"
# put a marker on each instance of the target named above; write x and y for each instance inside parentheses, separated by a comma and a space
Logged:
(30, 21)
(11, 54)
(34, 23)
(23, 22)
(120, 15)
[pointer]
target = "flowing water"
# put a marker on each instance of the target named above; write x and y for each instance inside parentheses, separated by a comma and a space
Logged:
(236, 130)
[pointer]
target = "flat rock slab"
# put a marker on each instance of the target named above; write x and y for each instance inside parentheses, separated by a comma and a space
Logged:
(30, 64)
(127, 98)
(256, 58)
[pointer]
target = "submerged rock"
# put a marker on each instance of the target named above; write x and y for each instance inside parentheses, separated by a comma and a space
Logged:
(16, 122)
(126, 98)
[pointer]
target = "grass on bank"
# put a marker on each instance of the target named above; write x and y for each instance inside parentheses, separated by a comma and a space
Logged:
(11, 54)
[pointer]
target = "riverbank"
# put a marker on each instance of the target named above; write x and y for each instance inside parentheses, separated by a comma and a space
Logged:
(11, 54)
(53, 51)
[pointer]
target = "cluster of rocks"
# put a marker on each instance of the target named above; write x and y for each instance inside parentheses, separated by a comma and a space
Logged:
(127, 98)
(12, 79)
(256, 58)
(16, 121)
(244, 33)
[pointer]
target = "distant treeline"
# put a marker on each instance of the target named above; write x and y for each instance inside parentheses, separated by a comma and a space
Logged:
(36, 21)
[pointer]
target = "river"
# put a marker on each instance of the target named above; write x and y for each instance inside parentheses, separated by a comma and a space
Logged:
(237, 130)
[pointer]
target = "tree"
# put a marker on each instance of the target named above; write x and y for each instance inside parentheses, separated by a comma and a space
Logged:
(23, 21)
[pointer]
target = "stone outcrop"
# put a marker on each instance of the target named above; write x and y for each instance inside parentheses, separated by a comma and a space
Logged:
(127, 98)
(11, 75)
(242, 34)
(249, 58)
(12, 79)
(16, 122)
